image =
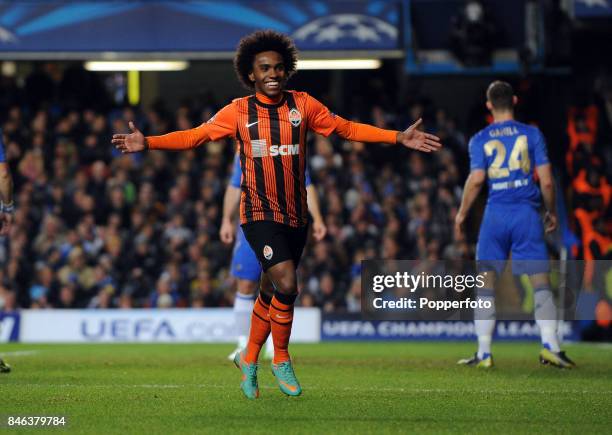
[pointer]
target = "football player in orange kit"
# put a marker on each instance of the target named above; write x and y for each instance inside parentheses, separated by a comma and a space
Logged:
(270, 131)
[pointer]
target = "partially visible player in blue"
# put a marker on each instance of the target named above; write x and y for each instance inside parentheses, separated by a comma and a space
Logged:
(7, 209)
(506, 154)
(245, 266)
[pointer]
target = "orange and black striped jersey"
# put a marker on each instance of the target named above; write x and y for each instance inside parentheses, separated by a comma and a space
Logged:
(271, 139)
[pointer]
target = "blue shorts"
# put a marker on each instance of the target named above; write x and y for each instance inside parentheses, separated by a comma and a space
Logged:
(516, 229)
(245, 264)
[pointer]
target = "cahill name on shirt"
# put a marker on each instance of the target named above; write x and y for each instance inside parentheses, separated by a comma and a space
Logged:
(504, 131)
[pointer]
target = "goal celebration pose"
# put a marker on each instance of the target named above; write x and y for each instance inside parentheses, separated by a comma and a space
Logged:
(270, 130)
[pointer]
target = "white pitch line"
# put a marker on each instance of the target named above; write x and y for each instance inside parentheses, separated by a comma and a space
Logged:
(20, 353)
(377, 390)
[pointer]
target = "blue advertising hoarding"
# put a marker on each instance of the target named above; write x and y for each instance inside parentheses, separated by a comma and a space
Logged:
(351, 327)
(9, 326)
(195, 26)
(593, 8)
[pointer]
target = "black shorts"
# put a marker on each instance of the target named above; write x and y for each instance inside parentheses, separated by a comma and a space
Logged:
(274, 243)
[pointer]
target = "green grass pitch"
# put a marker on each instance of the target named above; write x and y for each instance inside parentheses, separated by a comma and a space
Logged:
(348, 388)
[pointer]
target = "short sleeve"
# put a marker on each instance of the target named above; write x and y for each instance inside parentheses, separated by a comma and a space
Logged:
(540, 153)
(307, 177)
(477, 160)
(236, 172)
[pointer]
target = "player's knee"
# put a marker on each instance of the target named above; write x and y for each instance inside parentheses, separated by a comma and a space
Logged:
(283, 277)
(286, 284)
(265, 286)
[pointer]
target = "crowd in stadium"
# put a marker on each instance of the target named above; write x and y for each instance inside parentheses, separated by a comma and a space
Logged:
(589, 131)
(97, 229)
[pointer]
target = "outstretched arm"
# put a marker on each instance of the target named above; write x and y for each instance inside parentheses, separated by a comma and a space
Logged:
(223, 124)
(473, 184)
(412, 137)
(324, 122)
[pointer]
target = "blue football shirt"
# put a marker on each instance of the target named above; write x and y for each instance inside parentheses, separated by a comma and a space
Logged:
(509, 151)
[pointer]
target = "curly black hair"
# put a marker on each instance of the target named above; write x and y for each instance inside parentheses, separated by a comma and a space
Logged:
(257, 42)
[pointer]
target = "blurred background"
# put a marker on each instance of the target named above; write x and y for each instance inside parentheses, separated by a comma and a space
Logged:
(94, 229)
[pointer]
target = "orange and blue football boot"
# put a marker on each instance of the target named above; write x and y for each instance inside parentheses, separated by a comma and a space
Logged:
(287, 382)
(248, 385)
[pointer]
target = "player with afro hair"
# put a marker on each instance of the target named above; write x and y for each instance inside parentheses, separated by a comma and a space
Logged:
(270, 130)
(258, 42)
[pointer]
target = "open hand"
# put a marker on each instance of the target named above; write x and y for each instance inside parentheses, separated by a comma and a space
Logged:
(418, 140)
(130, 143)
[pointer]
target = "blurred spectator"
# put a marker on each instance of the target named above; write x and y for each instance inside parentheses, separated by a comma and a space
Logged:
(77, 271)
(202, 291)
(164, 296)
(8, 301)
(353, 297)
(67, 296)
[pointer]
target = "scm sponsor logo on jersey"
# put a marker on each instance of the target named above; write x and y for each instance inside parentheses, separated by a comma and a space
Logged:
(261, 149)
(285, 150)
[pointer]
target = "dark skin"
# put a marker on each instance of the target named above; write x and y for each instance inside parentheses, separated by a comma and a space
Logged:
(269, 76)
(283, 276)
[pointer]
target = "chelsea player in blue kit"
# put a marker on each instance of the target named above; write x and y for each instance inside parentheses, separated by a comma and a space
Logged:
(245, 266)
(505, 154)
(6, 210)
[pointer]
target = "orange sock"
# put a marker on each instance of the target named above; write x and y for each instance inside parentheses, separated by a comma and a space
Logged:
(260, 329)
(281, 319)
